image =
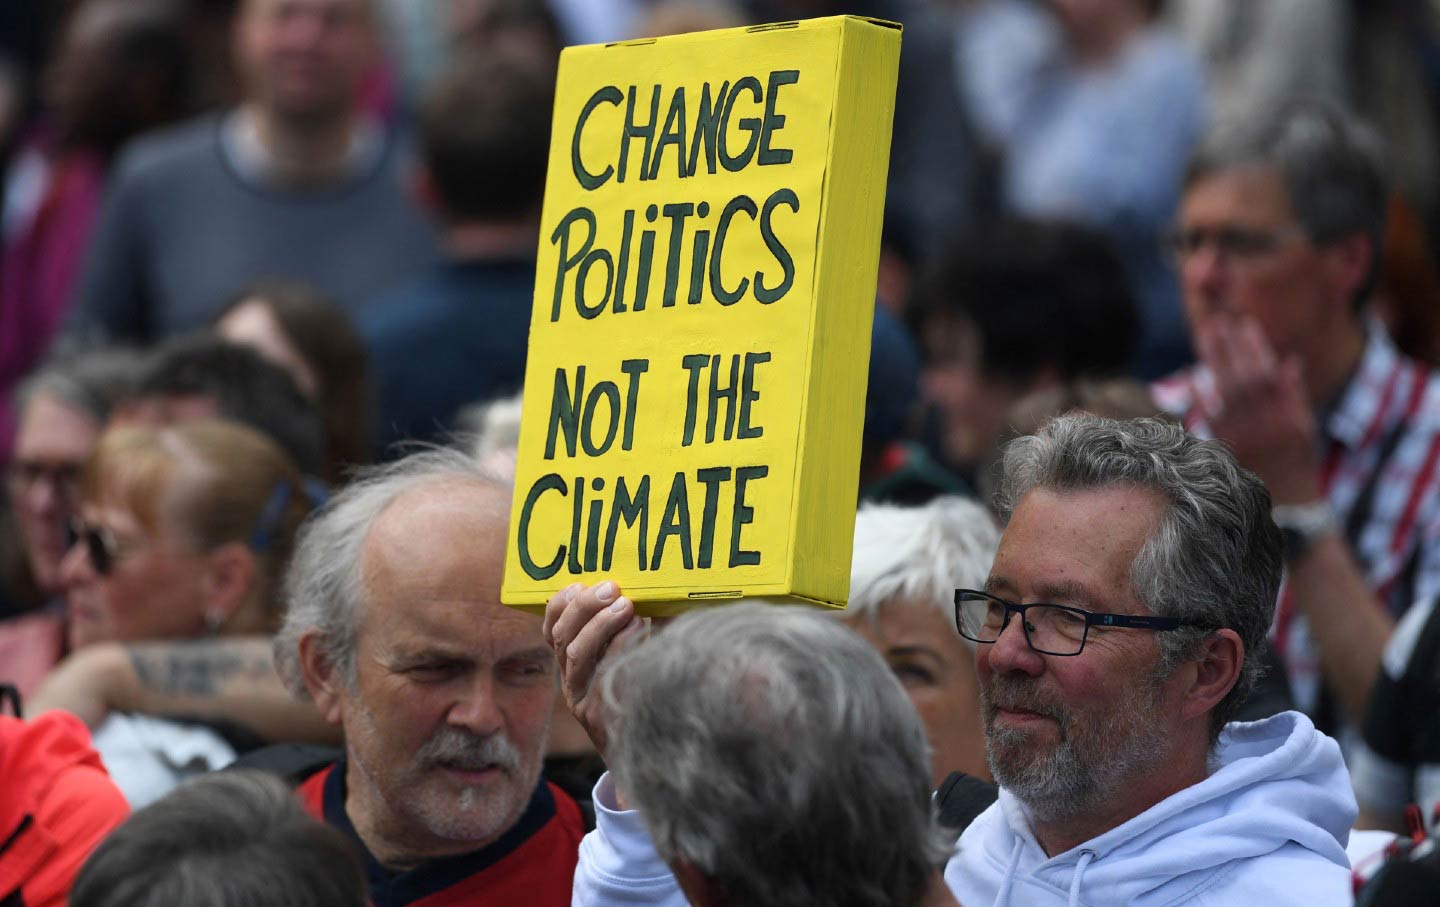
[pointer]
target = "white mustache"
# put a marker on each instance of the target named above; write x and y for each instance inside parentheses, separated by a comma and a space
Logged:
(468, 752)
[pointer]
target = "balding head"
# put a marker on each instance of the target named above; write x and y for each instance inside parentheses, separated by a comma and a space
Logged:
(324, 590)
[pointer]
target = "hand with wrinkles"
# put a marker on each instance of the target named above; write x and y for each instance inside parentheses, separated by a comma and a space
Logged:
(586, 626)
(1263, 412)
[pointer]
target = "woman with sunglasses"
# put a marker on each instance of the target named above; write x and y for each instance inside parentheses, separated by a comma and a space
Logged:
(183, 532)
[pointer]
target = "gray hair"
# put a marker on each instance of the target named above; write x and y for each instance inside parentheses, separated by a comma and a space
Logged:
(1333, 167)
(230, 839)
(90, 382)
(1214, 558)
(773, 750)
(919, 555)
(322, 588)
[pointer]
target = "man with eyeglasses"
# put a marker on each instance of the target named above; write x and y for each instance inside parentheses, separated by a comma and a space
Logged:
(1118, 632)
(1278, 246)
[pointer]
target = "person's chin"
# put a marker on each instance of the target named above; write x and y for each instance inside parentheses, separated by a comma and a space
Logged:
(85, 627)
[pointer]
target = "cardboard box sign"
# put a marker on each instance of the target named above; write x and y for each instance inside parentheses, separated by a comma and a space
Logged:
(704, 296)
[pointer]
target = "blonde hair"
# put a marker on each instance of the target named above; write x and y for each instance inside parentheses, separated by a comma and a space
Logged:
(213, 481)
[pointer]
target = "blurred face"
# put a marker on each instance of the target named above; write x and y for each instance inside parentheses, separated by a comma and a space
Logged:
(1245, 255)
(51, 446)
(1066, 733)
(305, 59)
(972, 405)
(85, 72)
(144, 585)
(252, 323)
(938, 672)
(447, 722)
(165, 409)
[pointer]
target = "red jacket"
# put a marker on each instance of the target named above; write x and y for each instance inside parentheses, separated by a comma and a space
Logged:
(531, 865)
(56, 804)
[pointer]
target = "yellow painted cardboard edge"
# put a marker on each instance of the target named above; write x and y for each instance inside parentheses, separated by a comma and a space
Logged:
(850, 224)
(678, 603)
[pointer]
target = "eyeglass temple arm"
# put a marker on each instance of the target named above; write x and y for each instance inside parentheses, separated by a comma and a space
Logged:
(1135, 621)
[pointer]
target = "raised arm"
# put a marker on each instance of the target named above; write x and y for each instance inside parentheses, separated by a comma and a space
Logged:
(618, 865)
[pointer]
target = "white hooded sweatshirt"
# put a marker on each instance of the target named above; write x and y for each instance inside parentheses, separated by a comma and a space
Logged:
(1268, 827)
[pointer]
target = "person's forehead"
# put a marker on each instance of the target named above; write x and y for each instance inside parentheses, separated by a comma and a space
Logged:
(114, 517)
(483, 632)
(51, 428)
(437, 551)
(358, 9)
(1075, 547)
(914, 625)
(1244, 192)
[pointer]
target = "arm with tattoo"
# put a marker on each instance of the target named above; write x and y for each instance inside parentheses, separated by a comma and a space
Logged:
(231, 679)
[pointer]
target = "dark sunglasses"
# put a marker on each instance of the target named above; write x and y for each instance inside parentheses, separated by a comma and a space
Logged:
(99, 544)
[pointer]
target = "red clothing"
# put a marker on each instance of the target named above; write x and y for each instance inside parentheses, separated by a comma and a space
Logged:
(531, 865)
(56, 804)
(31, 645)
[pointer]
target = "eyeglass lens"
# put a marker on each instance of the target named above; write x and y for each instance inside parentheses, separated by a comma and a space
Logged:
(64, 477)
(1053, 629)
(97, 546)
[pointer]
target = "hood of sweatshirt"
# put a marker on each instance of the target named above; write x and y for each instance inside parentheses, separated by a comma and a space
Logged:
(1275, 813)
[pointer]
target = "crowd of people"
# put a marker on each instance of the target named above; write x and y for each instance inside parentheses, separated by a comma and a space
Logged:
(1152, 388)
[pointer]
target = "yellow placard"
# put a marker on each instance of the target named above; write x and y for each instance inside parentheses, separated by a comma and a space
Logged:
(694, 392)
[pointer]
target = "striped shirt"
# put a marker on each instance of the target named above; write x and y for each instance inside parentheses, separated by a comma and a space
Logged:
(1378, 448)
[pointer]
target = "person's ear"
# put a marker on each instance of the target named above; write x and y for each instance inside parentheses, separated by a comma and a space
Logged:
(323, 678)
(698, 890)
(1216, 671)
(423, 189)
(1348, 263)
(227, 584)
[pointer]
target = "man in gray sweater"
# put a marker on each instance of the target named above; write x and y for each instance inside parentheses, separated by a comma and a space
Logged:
(296, 182)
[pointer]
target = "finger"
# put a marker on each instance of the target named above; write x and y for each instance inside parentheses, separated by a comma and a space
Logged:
(584, 604)
(584, 654)
(1254, 348)
(556, 606)
(1224, 359)
(1290, 384)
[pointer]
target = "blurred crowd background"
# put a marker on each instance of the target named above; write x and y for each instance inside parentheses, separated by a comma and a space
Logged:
(286, 238)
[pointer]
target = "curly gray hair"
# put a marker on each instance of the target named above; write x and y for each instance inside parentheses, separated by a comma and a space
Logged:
(1214, 559)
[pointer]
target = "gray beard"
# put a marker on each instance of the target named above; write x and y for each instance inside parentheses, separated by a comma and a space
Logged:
(1088, 766)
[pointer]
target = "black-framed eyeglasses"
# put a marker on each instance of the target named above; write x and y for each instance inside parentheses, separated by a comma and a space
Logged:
(1049, 629)
(99, 544)
(1232, 242)
(64, 478)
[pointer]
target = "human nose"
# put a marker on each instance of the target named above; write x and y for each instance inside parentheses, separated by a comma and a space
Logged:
(478, 711)
(44, 497)
(1011, 650)
(75, 566)
(1205, 274)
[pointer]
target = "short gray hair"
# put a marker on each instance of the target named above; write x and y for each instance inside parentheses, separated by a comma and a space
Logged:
(919, 554)
(1214, 558)
(773, 750)
(1333, 167)
(322, 588)
(90, 382)
(230, 839)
